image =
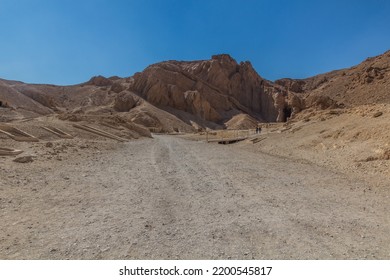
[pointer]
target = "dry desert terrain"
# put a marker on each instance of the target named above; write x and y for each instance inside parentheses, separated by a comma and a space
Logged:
(137, 179)
(178, 197)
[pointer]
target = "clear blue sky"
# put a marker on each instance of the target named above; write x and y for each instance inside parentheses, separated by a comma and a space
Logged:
(68, 41)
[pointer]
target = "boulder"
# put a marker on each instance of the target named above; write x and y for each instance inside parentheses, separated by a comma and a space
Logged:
(117, 87)
(125, 101)
(24, 159)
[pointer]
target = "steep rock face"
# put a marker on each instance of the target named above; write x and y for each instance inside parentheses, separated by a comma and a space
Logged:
(214, 90)
(292, 85)
(296, 103)
(179, 95)
(280, 105)
(239, 81)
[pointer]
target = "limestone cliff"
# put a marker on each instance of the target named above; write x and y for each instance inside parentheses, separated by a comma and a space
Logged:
(214, 90)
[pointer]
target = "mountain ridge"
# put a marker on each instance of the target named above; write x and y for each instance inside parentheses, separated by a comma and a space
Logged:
(202, 93)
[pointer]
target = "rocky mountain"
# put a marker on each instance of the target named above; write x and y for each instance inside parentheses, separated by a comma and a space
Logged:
(11, 97)
(366, 83)
(187, 96)
(170, 95)
(214, 90)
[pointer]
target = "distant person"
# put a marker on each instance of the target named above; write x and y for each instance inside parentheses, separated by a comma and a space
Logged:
(257, 130)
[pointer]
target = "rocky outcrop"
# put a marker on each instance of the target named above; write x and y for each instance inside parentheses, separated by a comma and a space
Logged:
(292, 85)
(214, 90)
(287, 104)
(125, 101)
(37, 96)
(12, 98)
(366, 83)
(296, 104)
(280, 105)
(206, 93)
(99, 81)
(322, 102)
(117, 87)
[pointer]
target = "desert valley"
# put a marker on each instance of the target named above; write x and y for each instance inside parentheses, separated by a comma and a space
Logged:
(136, 167)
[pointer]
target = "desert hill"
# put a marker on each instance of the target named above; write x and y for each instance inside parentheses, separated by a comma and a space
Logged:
(167, 96)
(313, 185)
(366, 83)
(214, 90)
(192, 95)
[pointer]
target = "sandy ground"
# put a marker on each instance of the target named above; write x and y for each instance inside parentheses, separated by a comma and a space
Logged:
(170, 198)
(349, 141)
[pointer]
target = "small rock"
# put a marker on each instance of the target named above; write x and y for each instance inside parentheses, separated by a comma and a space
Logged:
(49, 145)
(378, 114)
(24, 159)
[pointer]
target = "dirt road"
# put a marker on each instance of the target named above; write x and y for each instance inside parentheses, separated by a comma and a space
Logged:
(169, 198)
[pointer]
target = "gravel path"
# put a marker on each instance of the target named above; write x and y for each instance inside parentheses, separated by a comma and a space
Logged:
(169, 198)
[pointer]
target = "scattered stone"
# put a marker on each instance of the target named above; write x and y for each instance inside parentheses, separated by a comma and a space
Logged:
(371, 158)
(49, 145)
(105, 249)
(24, 159)
(386, 155)
(378, 114)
